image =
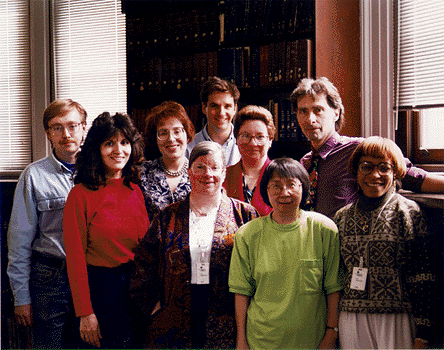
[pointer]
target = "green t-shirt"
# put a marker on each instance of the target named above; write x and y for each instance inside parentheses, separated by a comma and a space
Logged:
(286, 270)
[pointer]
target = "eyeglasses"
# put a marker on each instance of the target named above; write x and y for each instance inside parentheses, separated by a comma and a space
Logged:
(276, 188)
(201, 169)
(57, 130)
(366, 168)
(163, 135)
(245, 138)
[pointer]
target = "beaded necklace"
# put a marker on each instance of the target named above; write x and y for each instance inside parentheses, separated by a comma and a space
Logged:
(174, 173)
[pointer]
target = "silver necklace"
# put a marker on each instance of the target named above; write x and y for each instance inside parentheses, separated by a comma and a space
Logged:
(174, 173)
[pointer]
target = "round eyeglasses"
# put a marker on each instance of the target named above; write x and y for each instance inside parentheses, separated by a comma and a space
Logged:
(246, 138)
(276, 188)
(366, 168)
(57, 130)
(202, 169)
(163, 135)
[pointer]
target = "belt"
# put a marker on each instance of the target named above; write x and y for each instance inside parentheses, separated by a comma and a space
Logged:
(48, 260)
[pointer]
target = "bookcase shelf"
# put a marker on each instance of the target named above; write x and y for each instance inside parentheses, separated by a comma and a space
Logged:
(263, 46)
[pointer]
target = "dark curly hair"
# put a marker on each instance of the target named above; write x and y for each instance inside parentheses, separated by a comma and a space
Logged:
(90, 170)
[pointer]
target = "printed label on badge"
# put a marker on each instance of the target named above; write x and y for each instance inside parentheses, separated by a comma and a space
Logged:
(359, 278)
(203, 273)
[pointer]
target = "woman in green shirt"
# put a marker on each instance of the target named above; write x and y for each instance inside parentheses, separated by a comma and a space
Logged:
(284, 268)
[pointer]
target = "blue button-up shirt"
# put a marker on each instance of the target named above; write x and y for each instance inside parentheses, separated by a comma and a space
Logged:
(36, 220)
(231, 152)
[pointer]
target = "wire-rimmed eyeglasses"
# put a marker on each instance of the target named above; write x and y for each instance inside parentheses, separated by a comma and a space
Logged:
(246, 138)
(366, 168)
(57, 130)
(164, 134)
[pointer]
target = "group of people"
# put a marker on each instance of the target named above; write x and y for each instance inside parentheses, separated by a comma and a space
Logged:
(214, 245)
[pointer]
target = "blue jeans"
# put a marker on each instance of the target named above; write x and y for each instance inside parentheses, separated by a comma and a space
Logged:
(55, 324)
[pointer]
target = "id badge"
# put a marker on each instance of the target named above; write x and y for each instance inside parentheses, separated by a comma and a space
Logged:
(359, 278)
(203, 273)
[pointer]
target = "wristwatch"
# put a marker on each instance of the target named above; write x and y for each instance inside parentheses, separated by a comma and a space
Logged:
(336, 329)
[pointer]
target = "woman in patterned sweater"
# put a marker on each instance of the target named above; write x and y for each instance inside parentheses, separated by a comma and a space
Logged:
(389, 281)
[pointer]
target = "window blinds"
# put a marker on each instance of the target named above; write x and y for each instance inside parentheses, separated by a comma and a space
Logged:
(419, 60)
(15, 102)
(90, 54)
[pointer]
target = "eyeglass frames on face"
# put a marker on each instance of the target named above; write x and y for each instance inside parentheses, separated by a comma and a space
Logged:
(276, 188)
(366, 168)
(246, 138)
(57, 130)
(163, 135)
(201, 169)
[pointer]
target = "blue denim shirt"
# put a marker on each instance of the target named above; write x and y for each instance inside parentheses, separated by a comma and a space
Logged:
(36, 220)
(231, 152)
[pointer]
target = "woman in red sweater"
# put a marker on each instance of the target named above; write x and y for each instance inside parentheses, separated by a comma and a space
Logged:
(103, 220)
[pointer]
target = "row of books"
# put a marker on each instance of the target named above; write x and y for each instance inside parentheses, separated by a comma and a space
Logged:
(251, 20)
(230, 23)
(191, 30)
(273, 65)
(285, 121)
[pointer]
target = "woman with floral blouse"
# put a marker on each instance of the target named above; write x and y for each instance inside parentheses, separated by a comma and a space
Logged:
(165, 179)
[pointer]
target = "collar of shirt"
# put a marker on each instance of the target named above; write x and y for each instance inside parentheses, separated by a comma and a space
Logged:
(328, 146)
(59, 164)
(207, 137)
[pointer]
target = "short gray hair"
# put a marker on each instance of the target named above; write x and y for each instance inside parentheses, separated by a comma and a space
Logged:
(206, 147)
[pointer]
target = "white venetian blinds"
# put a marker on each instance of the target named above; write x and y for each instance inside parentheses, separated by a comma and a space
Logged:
(420, 54)
(15, 102)
(90, 54)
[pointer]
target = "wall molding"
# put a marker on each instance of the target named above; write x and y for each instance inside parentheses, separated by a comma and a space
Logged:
(377, 117)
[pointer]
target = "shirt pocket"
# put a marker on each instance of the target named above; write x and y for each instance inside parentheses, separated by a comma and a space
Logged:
(51, 213)
(51, 204)
(311, 276)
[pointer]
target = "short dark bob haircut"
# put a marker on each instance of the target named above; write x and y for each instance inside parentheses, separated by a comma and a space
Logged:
(286, 168)
(90, 170)
(252, 112)
(162, 112)
(204, 148)
(379, 147)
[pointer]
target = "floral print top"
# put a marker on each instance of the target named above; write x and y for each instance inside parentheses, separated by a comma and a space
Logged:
(156, 190)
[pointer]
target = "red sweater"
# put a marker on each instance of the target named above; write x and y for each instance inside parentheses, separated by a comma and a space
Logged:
(235, 187)
(100, 228)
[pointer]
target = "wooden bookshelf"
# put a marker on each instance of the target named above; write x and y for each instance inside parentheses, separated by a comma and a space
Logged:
(263, 46)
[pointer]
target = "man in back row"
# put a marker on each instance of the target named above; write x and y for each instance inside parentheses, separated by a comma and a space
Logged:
(37, 259)
(219, 104)
(320, 114)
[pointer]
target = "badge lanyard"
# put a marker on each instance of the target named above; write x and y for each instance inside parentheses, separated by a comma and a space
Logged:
(359, 276)
(203, 263)
(201, 253)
